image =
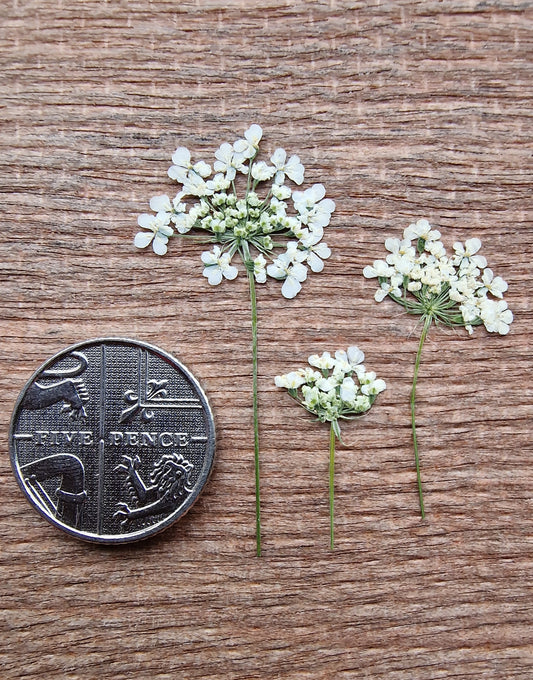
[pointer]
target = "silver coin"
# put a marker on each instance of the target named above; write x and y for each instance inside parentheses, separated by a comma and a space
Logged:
(112, 440)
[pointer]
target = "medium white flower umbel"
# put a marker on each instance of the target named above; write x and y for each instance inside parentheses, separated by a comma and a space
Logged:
(425, 280)
(456, 291)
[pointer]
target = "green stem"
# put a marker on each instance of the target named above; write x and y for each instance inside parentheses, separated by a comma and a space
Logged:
(331, 483)
(425, 329)
(253, 300)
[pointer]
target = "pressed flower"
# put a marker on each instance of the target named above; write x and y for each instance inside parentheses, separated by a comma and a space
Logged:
(378, 269)
(292, 167)
(495, 315)
(494, 284)
(316, 250)
(244, 220)
(181, 159)
(421, 229)
(291, 381)
(441, 289)
(248, 146)
(228, 162)
(290, 269)
(260, 269)
(314, 210)
(262, 172)
(159, 231)
(342, 389)
(217, 266)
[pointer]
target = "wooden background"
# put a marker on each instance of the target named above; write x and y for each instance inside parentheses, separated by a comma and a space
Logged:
(403, 110)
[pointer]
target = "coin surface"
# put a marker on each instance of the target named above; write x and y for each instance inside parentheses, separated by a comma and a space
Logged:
(112, 440)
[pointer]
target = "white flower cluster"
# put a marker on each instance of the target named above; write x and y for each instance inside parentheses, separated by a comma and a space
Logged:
(457, 290)
(333, 387)
(237, 224)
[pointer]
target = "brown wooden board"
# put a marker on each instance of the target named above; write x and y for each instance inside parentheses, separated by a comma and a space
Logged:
(403, 110)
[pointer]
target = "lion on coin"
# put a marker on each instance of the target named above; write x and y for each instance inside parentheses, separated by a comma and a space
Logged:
(169, 483)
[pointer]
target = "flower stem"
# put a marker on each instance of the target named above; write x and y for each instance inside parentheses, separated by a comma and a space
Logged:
(253, 300)
(331, 483)
(425, 329)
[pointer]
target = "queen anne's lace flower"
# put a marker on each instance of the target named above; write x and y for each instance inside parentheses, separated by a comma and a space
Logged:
(338, 381)
(421, 229)
(228, 162)
(316, 252)
(262, 172)
(495, 315)
(183, 168)
(291, 381)
(181, 159)
(350, 360)
(291, 271)
(243, 218)
(240, 224)
(324, 362)
(494, 284)
(341, 389)
(457, 290)
(248, 146)
(426, 281)
(465, 255)
(195, 185)
(315, 210)
(379, 269)
(260, 269)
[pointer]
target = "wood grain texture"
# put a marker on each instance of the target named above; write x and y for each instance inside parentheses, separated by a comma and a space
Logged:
(403, 110)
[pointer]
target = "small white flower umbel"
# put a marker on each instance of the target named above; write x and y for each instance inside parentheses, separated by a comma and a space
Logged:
(456, 291)
(247, 221)
(333, 388)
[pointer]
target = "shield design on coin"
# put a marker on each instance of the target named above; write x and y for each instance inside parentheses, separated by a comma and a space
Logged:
(112, 440)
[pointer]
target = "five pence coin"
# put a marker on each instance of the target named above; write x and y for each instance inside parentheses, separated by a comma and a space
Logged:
(112, 440)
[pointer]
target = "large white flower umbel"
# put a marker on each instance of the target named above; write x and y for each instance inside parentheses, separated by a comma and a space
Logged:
(247, 220)
(456, 291)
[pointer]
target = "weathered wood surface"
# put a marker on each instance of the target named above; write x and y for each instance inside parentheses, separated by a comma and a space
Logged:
(404, 110)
